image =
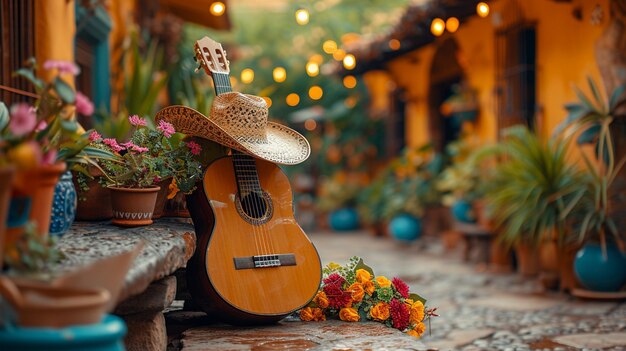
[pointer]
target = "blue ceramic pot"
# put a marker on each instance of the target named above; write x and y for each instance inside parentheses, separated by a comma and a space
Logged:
(405, 227)
(63, 205)
(344, 219)
(598, 272)
(462, 211)
(104, 336)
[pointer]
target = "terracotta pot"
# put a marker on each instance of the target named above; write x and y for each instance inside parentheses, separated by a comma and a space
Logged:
(482, 218)
(133, 207)
(37, 305)
(567, 277)
(527, 260)
(93, 204)
(549, 265)
(499, 257)
(161, 200)
(6, 179)
(36, 185)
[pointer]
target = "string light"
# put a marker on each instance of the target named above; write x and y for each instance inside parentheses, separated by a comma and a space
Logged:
(394, 44)
(349, 62)
(310, 125)
(315, 92)
(279, 74)
(437, 26)
(302, 17)
(329, 46)
(217, 8)
(312, 69)
(247, 76)
(292, 99)
(482, 9)
(452, 24)
(349, 82)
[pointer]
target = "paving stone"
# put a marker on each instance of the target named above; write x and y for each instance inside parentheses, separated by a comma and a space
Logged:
(462, 337)
(515, 302)
(156, 298)
(596, 341)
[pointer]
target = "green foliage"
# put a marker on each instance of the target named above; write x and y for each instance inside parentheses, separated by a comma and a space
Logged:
(372, 200)
(33, 252)
(534, 188)
(337, 192)
(461, 179)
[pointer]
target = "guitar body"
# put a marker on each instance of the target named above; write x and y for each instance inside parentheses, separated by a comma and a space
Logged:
(222, 276)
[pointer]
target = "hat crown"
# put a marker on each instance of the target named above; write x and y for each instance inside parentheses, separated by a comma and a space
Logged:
(242, 115)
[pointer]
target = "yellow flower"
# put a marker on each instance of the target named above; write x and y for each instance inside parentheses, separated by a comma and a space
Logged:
(357, 292)
(334, 266)
(380, 311)
(383, 282)
(173, 188)
(306, 314)
(363, 276)
(417, 330)
(321, 300)
(417, 312)
(349, 315)
(369, 287)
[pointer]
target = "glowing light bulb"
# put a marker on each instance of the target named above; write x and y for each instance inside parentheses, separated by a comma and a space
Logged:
(247, 76)
(302, 17)
(315, 92)
(452, 24)
(279, 74)
(329, 46)
(482, 9)
(292, 99)
(349, 82)
(217, 8)
(312, 69)
(437, 26)
(349, 61)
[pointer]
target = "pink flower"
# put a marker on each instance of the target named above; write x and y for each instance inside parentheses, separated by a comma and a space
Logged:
(41, 126)
(136, 121)
(140, 149)
(166, 128)
(83, 105)
(49, 157)
(194, 147)
(62, 66)
(94, 136)
(401, 287)
(129, 144)
(23, 119)
(112, 143)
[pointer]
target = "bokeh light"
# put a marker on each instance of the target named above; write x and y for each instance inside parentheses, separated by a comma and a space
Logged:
(247, 76)
(394, 44)
(482, 9)
(312, 69)
(452, 24)
(349, 61)
(329, 46)
(217, 8)
(316, 92)
(349, 82)
(292, 99)
(279, 74)
(437, 26)
(310, 125)
(302, 17)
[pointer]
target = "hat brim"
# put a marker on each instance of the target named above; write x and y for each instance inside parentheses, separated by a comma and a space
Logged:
(283, 145)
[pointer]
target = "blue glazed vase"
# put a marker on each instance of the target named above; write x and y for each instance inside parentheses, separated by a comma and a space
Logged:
(463, 212)
(344, 219)
(63, 205)
(107, 335)
(598, 272)
(405, 227)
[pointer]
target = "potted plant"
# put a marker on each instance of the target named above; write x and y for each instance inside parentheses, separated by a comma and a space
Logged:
(600, 265)
(531, 191)
(337, 197)
(371, 202)
(149, 156)
(462, 105)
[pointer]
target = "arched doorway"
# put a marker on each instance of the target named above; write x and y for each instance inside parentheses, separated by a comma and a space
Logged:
(445, 73)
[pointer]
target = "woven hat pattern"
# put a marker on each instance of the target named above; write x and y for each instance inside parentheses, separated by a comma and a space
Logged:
(240, 122)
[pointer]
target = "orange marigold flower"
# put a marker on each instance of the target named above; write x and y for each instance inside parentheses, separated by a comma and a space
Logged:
(383, 282)
(357, 292)
(306, 314)
(369, 287)
(380, 311)
(318, 315)
(418, 330)
(363, 276)
(349, 314)
(417, 312)
(321, 299)
(173, 189)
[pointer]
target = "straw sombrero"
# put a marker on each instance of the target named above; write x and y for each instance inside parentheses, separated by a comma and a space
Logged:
(239, 121)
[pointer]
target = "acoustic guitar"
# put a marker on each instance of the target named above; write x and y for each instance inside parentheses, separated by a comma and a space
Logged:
(253, 263)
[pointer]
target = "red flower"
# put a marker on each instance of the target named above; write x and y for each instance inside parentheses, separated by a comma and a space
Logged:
(335, 279)
(194, 147)
(399, 314)
(401, 287)
(337, 298)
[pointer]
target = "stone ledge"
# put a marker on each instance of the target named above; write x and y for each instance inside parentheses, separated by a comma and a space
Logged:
(168, 245)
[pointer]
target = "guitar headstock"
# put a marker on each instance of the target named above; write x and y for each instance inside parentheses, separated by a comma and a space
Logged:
(211, 56)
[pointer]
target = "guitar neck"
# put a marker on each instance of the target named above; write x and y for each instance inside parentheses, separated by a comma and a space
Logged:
(221, 82)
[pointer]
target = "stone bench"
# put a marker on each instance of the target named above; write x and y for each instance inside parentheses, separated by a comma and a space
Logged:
(150, 285)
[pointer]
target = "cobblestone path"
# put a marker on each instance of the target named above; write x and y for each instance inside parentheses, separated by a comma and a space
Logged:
(479, 310)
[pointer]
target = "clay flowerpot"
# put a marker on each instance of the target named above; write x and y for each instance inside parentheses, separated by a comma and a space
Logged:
(161, 199)
(527, 260)
(94, 204)
(31, 199)
(133, 207)
(6, 179)
(39, 305)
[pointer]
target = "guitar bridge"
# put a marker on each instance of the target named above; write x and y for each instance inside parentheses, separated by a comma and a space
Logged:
(264, 261)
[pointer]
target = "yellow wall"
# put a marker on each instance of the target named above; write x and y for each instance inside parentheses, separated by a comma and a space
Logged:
(55, 27)
(565, 57)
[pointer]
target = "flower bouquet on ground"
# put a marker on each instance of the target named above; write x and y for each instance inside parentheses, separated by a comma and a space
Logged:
(353, 293)
(150, 156)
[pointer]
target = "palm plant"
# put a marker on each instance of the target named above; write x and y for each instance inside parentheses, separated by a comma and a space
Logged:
(534, 189)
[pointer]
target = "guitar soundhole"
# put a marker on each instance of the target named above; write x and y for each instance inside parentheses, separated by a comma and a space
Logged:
(254, 205)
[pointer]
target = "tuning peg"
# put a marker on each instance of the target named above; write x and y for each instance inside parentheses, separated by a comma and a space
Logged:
(197, 69)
